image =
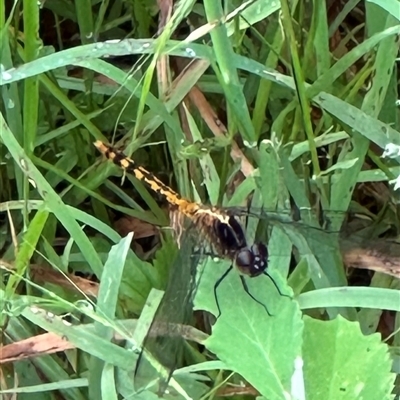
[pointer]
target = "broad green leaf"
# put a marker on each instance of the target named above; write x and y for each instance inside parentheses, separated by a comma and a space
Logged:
(260, 347)
(340, 363)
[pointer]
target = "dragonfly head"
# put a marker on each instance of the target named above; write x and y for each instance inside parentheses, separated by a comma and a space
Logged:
(252, 260)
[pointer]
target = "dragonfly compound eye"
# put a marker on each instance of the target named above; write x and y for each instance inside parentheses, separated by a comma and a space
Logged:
(253, 260)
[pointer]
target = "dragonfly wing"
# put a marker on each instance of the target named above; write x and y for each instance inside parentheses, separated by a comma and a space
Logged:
(164, 339)
(287, 216)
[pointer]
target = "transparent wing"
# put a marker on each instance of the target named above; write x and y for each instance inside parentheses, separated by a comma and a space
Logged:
(285, 216)
(164, 339)
(350, 227)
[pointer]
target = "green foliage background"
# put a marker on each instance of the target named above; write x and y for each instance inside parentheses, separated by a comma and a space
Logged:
(265, 68)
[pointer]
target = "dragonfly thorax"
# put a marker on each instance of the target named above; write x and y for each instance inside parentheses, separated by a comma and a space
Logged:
(252, 260)
(226, 236)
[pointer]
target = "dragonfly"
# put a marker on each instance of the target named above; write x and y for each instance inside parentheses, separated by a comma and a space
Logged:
(223, 230)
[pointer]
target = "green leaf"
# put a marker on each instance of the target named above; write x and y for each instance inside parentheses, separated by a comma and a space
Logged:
(391, 6)
(341, 363)
(245, 337)
(106, 306)
(358, 296)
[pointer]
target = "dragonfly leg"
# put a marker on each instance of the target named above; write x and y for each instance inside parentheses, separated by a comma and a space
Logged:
(246, 289)
(225, 274)
(276, 286)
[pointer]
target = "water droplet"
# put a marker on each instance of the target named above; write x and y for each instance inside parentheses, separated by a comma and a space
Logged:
(10, 103)
(391, 150)
(146, 45)
(32, 182)
(89, 35)
(190, 52)
(250, 145)
(5, 75)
